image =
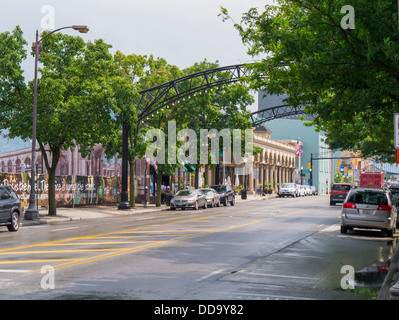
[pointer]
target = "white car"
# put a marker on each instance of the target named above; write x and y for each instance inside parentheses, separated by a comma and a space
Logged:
(287, 189)
(308, 191)
(301, 190)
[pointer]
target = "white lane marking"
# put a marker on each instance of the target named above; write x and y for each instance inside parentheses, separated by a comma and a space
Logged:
(14, 270)
(210, 275)
(60, 229)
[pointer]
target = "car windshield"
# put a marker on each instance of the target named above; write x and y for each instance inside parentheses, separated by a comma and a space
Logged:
(394, 191)
(219, 188)
(185, 193)
(342, 187)
(368, 197)
(207, 191)
(288, 185)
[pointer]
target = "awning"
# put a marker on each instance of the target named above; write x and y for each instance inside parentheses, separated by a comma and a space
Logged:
(189, 168)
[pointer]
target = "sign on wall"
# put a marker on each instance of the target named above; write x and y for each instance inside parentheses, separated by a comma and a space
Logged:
(69, 190)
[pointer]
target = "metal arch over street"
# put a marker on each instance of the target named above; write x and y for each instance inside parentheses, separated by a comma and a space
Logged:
(157, 97)
(276, 112)
(189, 86)
(160, 96)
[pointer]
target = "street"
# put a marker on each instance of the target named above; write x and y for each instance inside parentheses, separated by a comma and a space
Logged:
(280, 248)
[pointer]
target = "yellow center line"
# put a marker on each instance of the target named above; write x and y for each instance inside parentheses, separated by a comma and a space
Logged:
(118, 251)
(140, 248)
(114, 233)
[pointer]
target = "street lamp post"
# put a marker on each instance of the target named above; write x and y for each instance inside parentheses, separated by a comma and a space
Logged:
(263, 176)
(32, 213)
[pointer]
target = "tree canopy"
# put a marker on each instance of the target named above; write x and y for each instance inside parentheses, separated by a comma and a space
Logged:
(347, 77)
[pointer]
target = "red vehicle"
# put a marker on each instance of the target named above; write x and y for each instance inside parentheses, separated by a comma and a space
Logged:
(372, 179)
(339, 192)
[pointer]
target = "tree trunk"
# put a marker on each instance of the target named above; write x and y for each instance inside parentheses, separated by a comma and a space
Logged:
(196, 178)
(132, 185)
(55, 153)
(159, 183)
(52, 207)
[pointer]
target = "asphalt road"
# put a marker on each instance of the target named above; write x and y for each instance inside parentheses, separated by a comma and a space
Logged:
(267, 249)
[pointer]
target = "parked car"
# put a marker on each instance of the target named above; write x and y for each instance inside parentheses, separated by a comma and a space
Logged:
(301, 191)
(10, 208)
(183, 199)
(369, 208)
(394, 188)
(308, 191)
(226, 193)
(287, 189)
(315, 192)
(212, 197)
(339, 192)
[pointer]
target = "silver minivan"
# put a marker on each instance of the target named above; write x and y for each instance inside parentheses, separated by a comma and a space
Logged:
(369, 208)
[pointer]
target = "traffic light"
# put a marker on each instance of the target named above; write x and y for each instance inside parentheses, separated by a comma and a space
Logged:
(339, 163)
(309, 166)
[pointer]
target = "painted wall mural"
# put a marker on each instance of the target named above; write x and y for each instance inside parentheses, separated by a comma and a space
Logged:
(69, 190)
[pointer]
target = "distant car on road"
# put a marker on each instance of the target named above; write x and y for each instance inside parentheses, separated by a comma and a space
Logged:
(287, 189)
(315, 192)
(183, 199)
(226, 193)
(394, 188)
(308, 191)
(212, 197)
(339, 192)
(300, 190)
(10, 208)
(369, 208)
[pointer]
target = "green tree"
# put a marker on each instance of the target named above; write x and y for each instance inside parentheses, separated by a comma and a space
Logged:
(158, 72)
(348, 79)
(217, 108)
(75, 100)
(338, 178)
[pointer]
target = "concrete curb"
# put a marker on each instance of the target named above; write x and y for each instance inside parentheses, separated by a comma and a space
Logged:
(93, 212)
(392, 274)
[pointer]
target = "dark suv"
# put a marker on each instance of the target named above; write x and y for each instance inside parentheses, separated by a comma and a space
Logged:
(10, 208)
(339, 192)
(226, 193)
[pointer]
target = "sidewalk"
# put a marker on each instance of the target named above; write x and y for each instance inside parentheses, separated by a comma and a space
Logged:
(93, 212)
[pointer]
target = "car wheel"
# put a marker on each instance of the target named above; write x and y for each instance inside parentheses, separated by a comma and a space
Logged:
(172, 208)
(15, 221)
(232, 201)
(391, 232)
(332, 203)
(344, 230)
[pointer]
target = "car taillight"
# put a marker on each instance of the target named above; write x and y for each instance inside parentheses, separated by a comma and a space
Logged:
(384, 207)
(383, 269)
(349, 205)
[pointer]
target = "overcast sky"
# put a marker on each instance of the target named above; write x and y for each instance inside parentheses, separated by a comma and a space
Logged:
(181, 31)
